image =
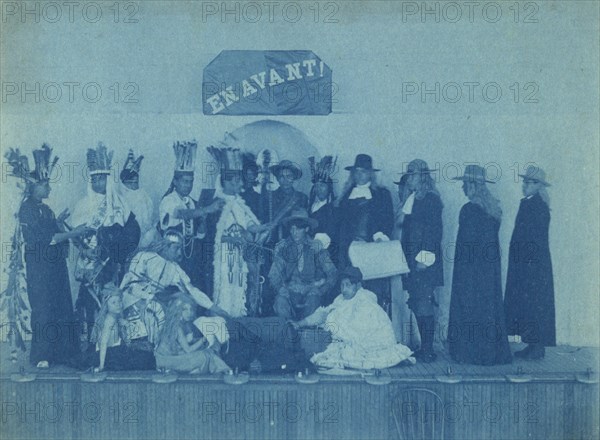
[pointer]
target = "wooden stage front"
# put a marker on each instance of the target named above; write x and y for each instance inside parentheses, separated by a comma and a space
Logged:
(555, 398)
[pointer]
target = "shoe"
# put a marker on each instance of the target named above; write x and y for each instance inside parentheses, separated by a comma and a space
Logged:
(536, 353)
(43, 364)
(523, 353)
(428, 357)
(418, 353)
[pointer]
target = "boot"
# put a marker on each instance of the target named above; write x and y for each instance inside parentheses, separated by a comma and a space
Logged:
(523, 353)
(426, 329)
(537, 352)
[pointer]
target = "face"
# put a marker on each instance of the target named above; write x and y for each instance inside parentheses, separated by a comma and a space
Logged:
(99, 183)
(250, 176)
(115, 305)
(233, 185)
(468, 189)
(188, 312)
(361, 176)
(173, 252)
(298, 233)
(414, 181)
(184, 184)
(286, 178)
(530, 187)
(133, 183)
(40, 190)
(348, 289)
(321, 190)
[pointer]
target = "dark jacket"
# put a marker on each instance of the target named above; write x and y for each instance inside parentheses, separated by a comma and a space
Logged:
(529, 298)
(317, 265)
(422, 231)
(361, 218)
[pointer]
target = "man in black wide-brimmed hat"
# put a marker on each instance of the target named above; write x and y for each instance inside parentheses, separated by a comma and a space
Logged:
(422, 244)
(365, 214)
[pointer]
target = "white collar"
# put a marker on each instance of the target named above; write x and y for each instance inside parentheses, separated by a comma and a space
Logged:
(408, 205)
(318, 204)
(361, 191)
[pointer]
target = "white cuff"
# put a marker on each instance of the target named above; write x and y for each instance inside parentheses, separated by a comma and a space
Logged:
(425, 257)
(380, 236)
(324, 239)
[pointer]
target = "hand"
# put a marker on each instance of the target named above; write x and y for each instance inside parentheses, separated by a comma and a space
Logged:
(215, 206)
(90, 254)
(98, 369)
(319, 283)
(63, 215)
(82, 230)
(295, 324)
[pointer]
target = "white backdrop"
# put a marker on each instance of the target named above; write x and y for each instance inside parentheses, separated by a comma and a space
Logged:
(163, 55)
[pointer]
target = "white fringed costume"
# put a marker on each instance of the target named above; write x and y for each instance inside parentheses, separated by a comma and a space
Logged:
(230, 269)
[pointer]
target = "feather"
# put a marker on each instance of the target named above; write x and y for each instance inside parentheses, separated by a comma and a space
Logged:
(19, 163)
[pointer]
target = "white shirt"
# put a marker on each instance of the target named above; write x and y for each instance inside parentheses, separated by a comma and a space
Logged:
(361, 191)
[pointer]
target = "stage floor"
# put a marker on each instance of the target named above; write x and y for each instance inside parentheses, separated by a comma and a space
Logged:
(548, 399)
(560, 363)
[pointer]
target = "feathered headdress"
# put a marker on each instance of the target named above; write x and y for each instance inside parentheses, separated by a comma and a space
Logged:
(229, 159)
(132, 164)
(43, 165)
(185, 156)
(322, 171)
(19, 164)
(99, 160)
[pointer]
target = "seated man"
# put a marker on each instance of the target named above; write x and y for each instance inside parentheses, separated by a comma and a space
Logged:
(302, 271)
(362, 333)
(156, 270)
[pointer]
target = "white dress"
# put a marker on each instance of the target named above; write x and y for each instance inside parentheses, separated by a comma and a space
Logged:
(362, 333)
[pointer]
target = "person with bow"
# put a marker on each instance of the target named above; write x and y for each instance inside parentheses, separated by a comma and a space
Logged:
(179, 211)
(105, 254)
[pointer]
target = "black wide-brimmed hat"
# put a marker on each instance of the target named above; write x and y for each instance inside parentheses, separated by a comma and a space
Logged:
(287, 165)
(302, 216)
(536, 174)
(416, 166)
(363, 161)
(473, 173)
